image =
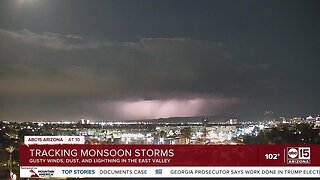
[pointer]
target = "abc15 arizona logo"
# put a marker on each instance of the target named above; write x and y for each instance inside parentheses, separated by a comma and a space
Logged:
(298, 155)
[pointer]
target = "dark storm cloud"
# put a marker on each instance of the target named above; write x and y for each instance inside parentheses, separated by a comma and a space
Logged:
(52, 76)
(167, 71)
(48, 63)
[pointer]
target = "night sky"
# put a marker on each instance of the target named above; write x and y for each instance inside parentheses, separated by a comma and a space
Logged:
(144, 59)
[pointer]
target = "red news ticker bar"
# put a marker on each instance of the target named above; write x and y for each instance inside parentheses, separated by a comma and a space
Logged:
(162, 155)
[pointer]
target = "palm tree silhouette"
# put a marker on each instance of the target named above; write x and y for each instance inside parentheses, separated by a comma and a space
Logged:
(186, 133)
(10, 150)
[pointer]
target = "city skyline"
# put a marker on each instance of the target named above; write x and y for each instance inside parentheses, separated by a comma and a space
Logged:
(158, 59)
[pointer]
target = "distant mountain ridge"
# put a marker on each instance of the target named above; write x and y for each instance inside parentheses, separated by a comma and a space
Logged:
(181, 119)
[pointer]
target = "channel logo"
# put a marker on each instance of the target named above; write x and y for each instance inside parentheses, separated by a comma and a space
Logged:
(298, 155)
